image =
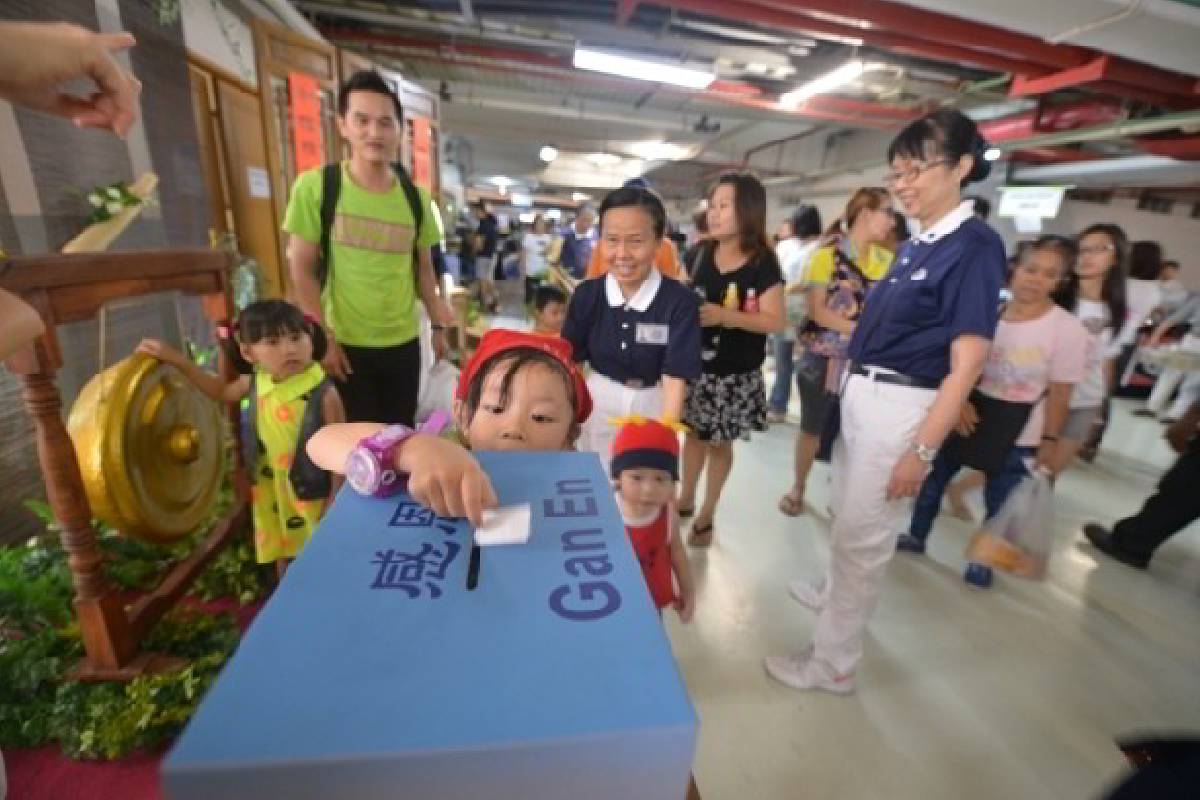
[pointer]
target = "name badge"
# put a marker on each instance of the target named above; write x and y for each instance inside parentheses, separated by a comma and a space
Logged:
(919, 275)
(651, 333)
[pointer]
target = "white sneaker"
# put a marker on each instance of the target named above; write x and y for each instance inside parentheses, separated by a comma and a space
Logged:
(802, 671)
(810, 595)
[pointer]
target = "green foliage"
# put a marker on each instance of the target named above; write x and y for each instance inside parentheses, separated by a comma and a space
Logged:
(40, 642)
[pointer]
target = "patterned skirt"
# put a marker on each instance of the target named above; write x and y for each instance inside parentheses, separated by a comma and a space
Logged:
(722, 408)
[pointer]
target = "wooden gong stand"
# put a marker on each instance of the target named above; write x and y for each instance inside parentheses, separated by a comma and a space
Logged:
(72, 288)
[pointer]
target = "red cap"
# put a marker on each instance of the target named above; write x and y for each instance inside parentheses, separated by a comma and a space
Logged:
(645, 443)
(500, 340)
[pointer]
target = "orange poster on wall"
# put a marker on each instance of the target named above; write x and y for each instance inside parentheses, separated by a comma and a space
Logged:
(421, 164)
(305, 107)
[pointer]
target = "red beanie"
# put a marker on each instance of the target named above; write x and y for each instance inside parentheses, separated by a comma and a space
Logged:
(645, 443)
(499, 341)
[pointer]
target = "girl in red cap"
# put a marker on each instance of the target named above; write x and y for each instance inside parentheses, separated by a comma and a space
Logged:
(645, 466)
(520, 391)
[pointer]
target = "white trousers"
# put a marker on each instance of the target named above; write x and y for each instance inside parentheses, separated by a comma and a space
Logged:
(1169, 380)
(611, 399)
(879, 424)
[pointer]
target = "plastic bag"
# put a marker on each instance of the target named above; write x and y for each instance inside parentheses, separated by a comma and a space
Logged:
(437, 390)
(1018, 539)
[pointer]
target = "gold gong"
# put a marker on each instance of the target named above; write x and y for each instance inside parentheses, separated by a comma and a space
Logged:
(150, 449)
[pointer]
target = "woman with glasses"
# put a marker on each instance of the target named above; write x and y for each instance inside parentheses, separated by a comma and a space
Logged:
(918, 350)
(1095, 292)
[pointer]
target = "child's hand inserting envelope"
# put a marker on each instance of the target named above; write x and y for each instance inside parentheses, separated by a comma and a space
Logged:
(504, 525)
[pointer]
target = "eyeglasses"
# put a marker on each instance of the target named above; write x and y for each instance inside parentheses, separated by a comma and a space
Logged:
(1096, 250)
(912, 173)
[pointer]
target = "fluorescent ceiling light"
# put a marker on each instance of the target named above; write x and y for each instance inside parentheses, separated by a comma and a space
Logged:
(580, 197)
(827, 82)
(603, 159)
(660, 151)
(527, 217)
(521, 200)
(992, 154)
(642, 69)
(501, 182)
(553, 213)
(548, 153)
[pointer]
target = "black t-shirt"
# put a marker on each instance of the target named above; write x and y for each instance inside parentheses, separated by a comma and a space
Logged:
(489, 229)
(728, 351)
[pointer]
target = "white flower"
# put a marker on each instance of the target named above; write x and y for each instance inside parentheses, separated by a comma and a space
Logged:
(114, 192)
(113, 208)
(95, 199)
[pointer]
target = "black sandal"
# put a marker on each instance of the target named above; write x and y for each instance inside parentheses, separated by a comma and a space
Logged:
(686, 512)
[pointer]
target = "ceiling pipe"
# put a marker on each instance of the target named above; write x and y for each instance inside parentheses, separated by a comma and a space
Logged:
(872, 115)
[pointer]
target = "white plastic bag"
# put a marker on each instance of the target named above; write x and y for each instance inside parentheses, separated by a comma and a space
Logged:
(1019, 538)
(437, 390)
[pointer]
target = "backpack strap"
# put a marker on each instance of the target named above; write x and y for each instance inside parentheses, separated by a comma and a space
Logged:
(308, 480)
(414, 197)
(331, 187)
(250, 433)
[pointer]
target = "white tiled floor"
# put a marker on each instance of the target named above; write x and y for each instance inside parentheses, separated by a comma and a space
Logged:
(1016, 692)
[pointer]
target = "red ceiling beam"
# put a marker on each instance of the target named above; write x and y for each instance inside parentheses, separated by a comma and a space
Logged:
(1095, 70)
(1050, 119)
(625, 10)
(945, 38)
(1184, 148)
(795, 22)
(1052, 155)
(930, 25)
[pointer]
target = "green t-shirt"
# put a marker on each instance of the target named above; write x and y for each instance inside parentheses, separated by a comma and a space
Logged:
(370, 297)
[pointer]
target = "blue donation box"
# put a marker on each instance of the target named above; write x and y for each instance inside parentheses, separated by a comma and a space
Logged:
(375, 672)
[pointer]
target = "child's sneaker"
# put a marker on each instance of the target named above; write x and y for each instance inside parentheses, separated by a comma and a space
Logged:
(978, 575)
(802, 671)
(810, 595)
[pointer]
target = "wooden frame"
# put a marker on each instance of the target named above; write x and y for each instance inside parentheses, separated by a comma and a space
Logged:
(72, 288)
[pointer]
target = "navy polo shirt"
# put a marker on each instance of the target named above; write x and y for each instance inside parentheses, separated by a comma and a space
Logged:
(655, 333)
(943, 284)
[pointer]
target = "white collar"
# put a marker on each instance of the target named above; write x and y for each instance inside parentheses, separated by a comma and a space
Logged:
(947, 224)
(641, 298)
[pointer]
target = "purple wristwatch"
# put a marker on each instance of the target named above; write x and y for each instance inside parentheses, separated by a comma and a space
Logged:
(370, 467)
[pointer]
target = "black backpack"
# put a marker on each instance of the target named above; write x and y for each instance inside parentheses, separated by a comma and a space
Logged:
(309, 481)
(331, 187)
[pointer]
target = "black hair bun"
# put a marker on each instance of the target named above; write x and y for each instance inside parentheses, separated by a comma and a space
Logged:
(982, 168)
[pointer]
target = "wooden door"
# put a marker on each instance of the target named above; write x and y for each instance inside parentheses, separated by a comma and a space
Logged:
(251, 188)
(204, 110)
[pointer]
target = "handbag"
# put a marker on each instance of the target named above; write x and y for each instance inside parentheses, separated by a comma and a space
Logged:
(986, 448)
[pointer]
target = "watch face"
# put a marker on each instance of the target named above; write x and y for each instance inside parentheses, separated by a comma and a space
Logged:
(388, 437)
(362, 471)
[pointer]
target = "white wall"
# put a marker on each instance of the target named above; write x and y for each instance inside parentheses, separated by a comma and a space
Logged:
(1177, 232)
(217, 32)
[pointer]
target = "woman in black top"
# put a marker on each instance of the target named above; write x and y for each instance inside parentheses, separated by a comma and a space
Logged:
(739, 281)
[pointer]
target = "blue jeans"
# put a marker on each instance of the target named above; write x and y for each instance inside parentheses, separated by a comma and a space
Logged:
(997, 489)
(781, 391)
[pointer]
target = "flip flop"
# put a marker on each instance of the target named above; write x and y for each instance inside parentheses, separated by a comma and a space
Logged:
(686, 511)
(791, 506)
(701, 535)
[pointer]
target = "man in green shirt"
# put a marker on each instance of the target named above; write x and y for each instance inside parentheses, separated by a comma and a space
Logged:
(368, 302)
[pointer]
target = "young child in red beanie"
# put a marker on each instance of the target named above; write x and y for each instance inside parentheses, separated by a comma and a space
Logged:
(645, 467)
(519, 391)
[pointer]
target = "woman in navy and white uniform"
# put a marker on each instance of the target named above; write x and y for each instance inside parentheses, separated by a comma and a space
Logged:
(919, 348)
(638, 330)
